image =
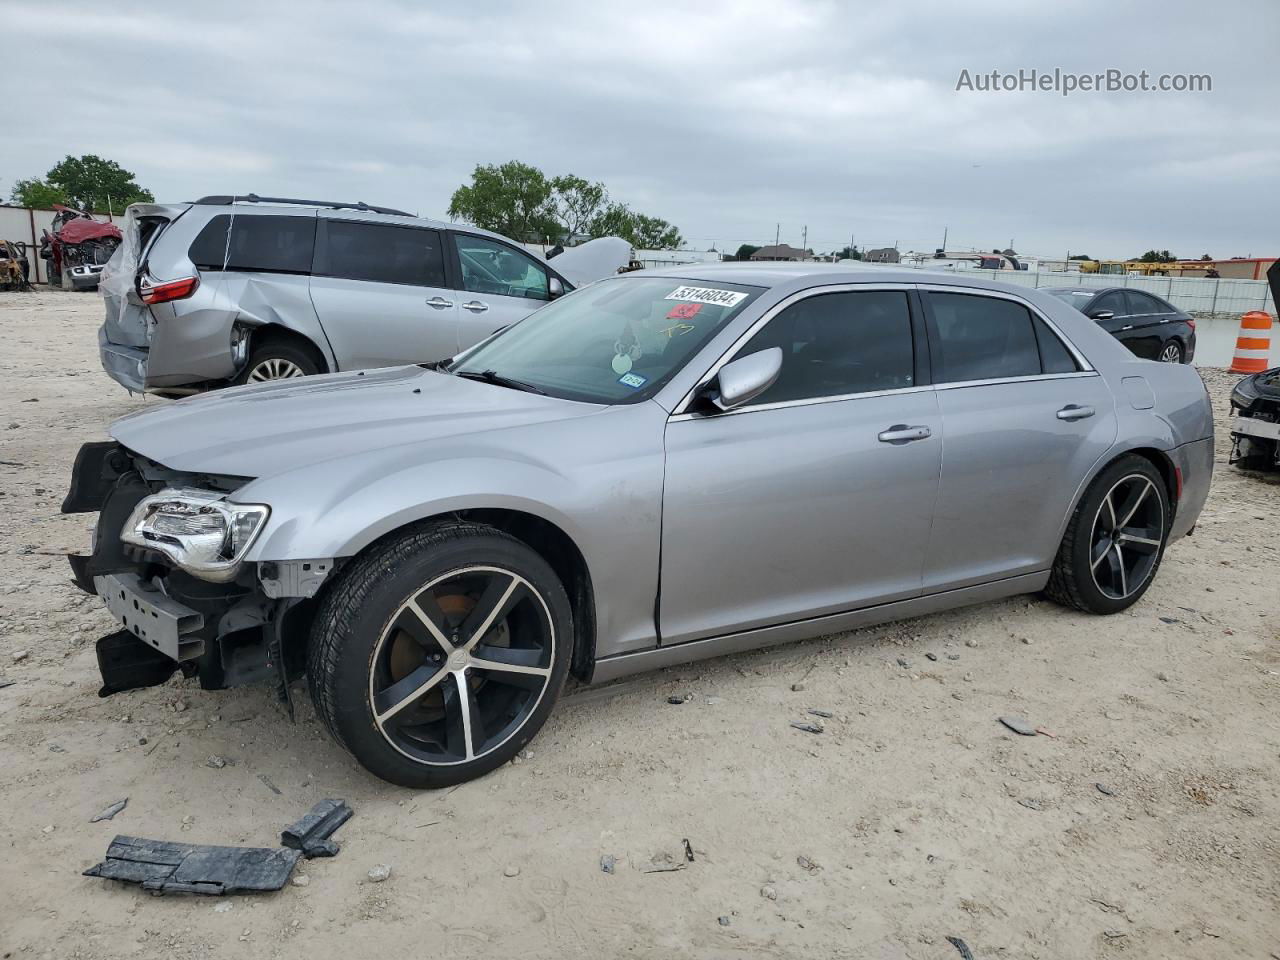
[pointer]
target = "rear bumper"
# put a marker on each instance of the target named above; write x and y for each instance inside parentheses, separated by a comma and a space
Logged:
(127, 366)
(1194, 462)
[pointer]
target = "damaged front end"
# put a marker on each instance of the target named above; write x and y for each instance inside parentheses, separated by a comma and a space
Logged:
(168, 561)
(1255, 410)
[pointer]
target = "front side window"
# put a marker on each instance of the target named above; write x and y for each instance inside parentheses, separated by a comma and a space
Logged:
(839, 343)
(981, 338)
(1113, 301)
(615, 341)
(380, 253)
(255, 244)
(494, 268)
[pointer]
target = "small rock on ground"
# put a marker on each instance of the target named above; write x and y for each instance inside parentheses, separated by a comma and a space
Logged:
(379, 873)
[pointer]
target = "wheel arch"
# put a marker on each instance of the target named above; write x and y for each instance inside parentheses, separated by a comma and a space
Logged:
(1158, 458)
(550, 542)
(257, 334)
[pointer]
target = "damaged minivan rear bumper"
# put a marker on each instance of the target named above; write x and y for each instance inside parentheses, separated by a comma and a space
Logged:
(127, 366)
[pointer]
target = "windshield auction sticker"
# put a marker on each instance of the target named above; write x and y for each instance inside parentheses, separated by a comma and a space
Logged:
(719, 298)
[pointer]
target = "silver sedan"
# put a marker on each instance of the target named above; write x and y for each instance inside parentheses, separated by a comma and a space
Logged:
(655, 469)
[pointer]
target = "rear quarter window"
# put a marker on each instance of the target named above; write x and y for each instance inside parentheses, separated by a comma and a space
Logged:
(255, 244)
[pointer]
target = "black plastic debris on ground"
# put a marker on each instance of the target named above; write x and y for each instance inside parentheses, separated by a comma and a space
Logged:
(164, 867)
(965, 952)
(311, 833)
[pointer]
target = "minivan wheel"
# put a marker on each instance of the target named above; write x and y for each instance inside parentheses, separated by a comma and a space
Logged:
(1172, 352)
(278, 360)
(438, 655)
(1115, 539)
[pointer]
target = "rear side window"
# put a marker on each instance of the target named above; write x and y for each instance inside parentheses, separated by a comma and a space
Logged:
(839, 343)
(380, 253)
(255, 244)
(1141, 303)
(981, 338)
(1112, 301)
(1054, 355)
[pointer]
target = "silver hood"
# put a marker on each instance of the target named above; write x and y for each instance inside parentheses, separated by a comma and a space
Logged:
(266, 429)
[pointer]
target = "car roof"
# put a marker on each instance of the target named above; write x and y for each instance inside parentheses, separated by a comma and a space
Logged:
(786, 276)
(1089, 290)
(348, 213)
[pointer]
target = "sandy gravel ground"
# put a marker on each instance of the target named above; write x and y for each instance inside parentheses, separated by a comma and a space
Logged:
(916, 814)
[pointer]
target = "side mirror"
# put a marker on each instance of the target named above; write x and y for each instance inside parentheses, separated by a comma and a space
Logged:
(1102, 314)
(554, 288)
(746, 378)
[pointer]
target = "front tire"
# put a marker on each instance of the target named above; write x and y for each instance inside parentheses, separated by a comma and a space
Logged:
(438, 655)
(1115, 539)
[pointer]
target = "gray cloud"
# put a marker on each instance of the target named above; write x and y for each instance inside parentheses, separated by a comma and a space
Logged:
(724, 118)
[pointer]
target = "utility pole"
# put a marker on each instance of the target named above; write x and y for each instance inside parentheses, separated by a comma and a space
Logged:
(777, 232)
(804, 241)
(944, 239)
(850, 244)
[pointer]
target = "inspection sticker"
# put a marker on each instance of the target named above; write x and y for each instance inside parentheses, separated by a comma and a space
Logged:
(633, 380)
(719, 298)
(684, 311)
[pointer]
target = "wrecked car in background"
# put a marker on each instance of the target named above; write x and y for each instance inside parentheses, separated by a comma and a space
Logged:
(243, 289)
(1255, 409)
(77, 248)
(664, 466)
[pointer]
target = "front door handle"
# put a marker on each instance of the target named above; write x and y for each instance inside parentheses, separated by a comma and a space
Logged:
(439, 303)
(1073, 411)
(475, 306)
(901, 433)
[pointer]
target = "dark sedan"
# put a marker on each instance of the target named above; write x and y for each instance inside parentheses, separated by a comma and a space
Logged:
(1147, 325)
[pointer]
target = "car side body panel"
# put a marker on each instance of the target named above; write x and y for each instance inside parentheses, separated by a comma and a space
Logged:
(345, 459)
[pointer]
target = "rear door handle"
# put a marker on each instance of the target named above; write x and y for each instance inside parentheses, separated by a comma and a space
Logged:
(1073, 411)
(439, 303)
(475, 306)
(901, 433)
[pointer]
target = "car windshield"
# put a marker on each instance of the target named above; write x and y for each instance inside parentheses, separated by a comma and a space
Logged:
(616, 341)
(1077, 298)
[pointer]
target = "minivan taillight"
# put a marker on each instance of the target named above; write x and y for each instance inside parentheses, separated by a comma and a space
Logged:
(153, 292)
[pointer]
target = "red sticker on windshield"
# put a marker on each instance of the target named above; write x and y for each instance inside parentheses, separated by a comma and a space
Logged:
(684, 311)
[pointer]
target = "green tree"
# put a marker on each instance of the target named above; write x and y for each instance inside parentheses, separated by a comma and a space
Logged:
(849, 253)
(745, 251)
(615, 220)
(513, 199)
(576, 202)
(37, 194)
(654, 233)
(1157, 256)
(1079, 256)
(96, 185)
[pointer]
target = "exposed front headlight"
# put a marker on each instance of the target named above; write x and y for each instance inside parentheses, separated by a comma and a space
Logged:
(1245, 392)
(197, 529)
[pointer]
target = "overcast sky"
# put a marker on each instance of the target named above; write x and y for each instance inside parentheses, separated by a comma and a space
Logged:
(724, 118)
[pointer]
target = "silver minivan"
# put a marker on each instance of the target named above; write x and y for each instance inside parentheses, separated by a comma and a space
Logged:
(236, 289)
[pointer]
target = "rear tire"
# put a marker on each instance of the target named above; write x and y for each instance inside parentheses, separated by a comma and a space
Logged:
(1171, 352)
(437, 656)
(279, 359)
(1115, 539)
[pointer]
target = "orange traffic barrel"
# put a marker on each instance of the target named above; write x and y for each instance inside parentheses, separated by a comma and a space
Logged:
(1253, 346)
